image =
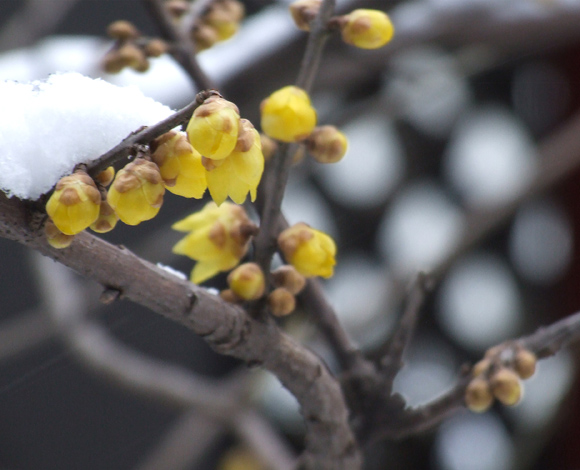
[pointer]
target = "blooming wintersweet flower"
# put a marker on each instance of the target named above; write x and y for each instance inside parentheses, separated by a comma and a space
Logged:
(136, 194)
(179, 164)
(218, 239)
(240, 172)
(367, 29)
(213, 128)
(288, 115)
(310, 251)
(74, 204)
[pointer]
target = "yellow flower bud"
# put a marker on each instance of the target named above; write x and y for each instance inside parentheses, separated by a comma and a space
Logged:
(310, 251)
(239, 174)
(219, 238)
(105, 177)
(327, 144)
(525, 363)
(367, 29)
(247, 281)
(505, 385)
(303, 12)
(179, 164)
(137, 192)
(287, 277)
(74, 204)
(107, 219)
(213, 128)
(224, 16)
(287, 115)
(55, 237)
(281, 302)
(478, 396)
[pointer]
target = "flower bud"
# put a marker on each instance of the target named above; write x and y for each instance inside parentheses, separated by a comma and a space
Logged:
(367, 29)
(303, 12)
(287, 115)
(74, 204)
(131, 55)
(269, 146)
(281, 302)
(179, 164)
(506, 386)
(478, 396)
(525, 363)
(203, 37)
(155, 48)
(122, 30)
(113, 62)
(247, 281)
(177, 8)
(107, 219)
(230, 296)
(287, 277)
(481, 367)
(55, 237)
(136, 194)
(327, 144)
(310, 251)
(224, 16)
(105, 177)
(213, 128)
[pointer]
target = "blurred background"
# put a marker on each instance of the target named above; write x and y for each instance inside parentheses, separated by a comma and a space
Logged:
(445, 124)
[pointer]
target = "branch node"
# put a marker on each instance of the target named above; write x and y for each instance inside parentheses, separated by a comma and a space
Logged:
(110, 295)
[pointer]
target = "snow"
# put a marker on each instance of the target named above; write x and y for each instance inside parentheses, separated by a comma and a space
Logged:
(47, 127)
(172, 271)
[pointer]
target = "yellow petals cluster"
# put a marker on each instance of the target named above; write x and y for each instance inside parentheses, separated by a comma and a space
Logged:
(179, 164)
(137, 193)
(310, 251)
(230, 149)
(74, 204)
(288, 115)
(218, 239)
(367, 29)
(497, 376)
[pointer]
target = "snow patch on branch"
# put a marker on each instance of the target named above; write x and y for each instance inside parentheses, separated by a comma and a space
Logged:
(47, 127)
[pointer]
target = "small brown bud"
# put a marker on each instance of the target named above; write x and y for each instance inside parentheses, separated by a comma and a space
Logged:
(113, 62)
(155, 48)
(122, 30)
(327, 144)
(105, 177)
(204, 37)
(478, 397)
(131, 55)
(506, 387)
(303, 12)
(481, 367)
(230, 296)
(287, 277)
(525, 363)
(281, 302)
(177, 8)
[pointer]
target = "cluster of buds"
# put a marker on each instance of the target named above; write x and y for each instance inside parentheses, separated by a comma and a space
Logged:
(220, 21)
(230, 149)
(366, 29)
(218, 239)
(77, 204)
(498, 375)
(247, 282)
(288, 116)
(130, 48)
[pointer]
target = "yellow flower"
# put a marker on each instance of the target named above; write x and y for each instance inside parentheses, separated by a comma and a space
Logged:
(180, 165)
(240, 172)
(287, 115)
(74, 204)
(367, 29)
(310, 251)
(218, 239)
(213, 128)
(137, 192)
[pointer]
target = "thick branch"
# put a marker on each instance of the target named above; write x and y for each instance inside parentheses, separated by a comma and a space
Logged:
(330, 443)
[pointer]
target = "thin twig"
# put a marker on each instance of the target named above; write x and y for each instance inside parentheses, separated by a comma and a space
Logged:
(182, 48)
(392, 361)
(147, 134)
